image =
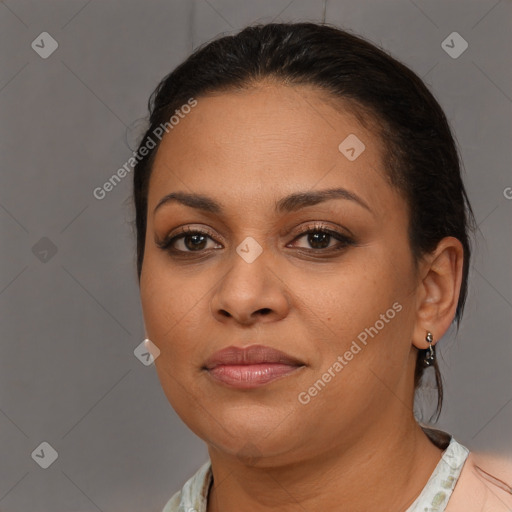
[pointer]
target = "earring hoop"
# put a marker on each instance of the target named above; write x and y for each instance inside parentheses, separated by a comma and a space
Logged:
(431, 355)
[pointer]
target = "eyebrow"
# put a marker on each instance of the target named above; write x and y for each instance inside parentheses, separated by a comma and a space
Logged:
(290, 203)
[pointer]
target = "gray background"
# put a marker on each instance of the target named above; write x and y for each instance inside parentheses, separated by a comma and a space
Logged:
(70, 321)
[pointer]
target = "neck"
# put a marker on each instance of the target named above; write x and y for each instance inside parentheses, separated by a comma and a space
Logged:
(389, 464)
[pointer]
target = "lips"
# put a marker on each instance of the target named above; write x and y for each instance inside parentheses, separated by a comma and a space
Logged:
(251, 366)
(255, 354)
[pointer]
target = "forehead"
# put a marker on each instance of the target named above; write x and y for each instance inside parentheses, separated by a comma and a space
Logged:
(268, 141)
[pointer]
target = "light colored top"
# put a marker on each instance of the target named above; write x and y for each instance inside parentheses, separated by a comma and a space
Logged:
(435, 496)
(437, 491)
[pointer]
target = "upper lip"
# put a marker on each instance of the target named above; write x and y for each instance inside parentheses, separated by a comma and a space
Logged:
(254, 354)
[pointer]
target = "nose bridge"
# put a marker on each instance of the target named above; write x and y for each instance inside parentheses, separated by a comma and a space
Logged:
(247, 271)
(249, 249)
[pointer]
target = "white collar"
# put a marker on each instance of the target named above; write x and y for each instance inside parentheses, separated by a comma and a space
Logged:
(434, 497)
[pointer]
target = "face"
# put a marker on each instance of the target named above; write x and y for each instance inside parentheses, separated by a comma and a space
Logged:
(268, 257)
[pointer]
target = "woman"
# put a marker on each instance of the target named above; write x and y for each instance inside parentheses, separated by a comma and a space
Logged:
(302, 245)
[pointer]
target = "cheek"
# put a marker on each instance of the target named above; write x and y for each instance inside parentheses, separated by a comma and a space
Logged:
(167, 297)
(360, 319)
(171, 306)
(352, 297)
(176, 314)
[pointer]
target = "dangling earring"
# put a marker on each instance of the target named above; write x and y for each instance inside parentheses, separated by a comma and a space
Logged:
(431, 355)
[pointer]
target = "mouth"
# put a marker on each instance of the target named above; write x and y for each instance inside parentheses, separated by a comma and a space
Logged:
(250, 367)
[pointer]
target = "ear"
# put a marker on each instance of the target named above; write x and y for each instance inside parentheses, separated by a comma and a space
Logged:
(438, 290)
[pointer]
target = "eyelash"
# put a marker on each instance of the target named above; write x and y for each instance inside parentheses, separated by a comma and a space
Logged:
(344, 240)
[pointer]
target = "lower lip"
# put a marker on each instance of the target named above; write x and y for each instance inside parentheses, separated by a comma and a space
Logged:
(251, 375)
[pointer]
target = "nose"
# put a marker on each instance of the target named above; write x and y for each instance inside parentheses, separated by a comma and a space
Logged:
(250, 292)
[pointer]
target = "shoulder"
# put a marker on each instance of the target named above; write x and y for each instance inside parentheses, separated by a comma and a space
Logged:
(484, 485)
(193, 495)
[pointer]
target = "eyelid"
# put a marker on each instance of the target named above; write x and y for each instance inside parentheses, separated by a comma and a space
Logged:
(319, 226)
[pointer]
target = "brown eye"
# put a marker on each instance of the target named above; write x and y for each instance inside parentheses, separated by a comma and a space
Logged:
(193, 242)
(189, 240)
(320, 238)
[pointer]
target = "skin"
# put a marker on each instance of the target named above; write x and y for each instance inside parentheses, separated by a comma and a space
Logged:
(247, 150)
